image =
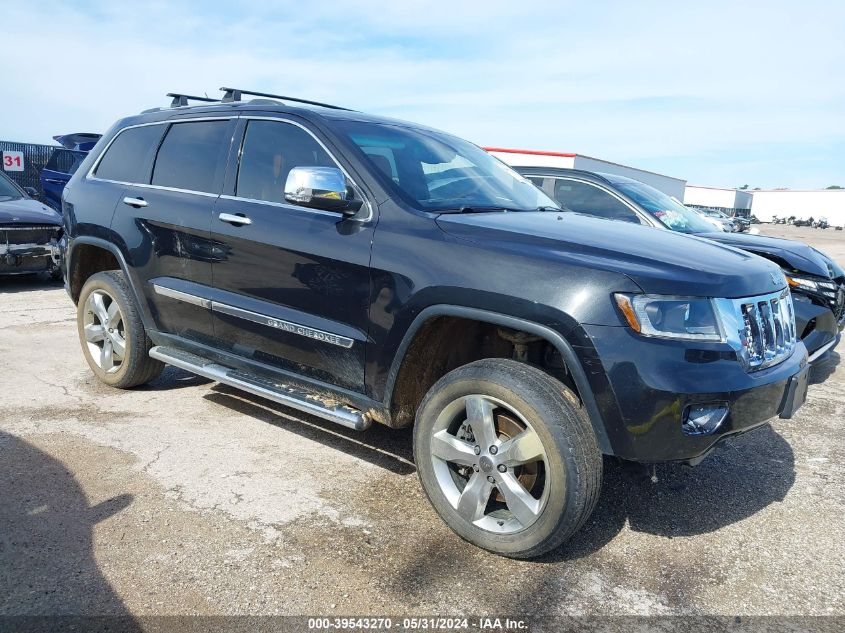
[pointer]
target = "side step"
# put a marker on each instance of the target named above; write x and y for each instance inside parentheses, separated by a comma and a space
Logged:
(288, 395)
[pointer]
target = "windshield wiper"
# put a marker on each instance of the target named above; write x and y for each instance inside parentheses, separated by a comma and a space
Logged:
(480, 209)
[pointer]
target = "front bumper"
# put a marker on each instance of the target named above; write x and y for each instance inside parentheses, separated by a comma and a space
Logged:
(644, 386)
(816, 325)
(29, 258)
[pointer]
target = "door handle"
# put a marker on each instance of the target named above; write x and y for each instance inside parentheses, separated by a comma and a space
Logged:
(135, 202)
(55, 181)
(233, 218)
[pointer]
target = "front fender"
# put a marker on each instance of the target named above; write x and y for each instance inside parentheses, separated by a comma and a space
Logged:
(551, 335)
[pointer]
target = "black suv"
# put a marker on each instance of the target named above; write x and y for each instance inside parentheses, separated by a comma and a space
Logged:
(365, 269)
(817, 282)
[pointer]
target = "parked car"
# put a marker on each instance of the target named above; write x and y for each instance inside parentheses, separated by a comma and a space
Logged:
(366, 270)
(718, 219)
(29, 232)
(817, 282)
(63, 164)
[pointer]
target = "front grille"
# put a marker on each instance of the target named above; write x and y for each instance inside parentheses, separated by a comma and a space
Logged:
(28, 233)
(767, 333)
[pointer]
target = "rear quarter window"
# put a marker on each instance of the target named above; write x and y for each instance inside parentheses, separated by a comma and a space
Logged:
(127, 158)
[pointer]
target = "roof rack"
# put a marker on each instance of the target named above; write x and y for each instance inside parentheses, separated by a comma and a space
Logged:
(234, 94)
(180, 100)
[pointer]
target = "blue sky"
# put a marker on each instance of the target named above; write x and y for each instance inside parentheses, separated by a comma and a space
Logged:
(718, 93)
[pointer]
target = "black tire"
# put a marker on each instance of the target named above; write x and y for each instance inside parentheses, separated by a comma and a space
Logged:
(573, 464)
(136, 367)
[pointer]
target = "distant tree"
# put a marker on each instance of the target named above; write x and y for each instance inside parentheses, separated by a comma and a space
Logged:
(833, 187)
(756, 188)
(744, 187)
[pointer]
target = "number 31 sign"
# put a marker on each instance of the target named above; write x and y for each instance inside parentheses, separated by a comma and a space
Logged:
(13, 161)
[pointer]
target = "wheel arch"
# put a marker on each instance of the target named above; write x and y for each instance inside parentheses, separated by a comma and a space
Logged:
(552, 337)
(78, 273)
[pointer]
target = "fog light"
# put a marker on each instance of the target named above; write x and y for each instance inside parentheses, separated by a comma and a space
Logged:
(703, 419)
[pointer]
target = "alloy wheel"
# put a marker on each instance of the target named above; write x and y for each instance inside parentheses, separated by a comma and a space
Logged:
(490, 464)
(104, 331)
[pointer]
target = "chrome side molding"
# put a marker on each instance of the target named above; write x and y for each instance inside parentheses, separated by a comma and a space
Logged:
(255, 317)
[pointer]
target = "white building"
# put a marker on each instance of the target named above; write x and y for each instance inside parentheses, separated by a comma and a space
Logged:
(767, 203)
(728, 200)
(816, 203)
(536, 158)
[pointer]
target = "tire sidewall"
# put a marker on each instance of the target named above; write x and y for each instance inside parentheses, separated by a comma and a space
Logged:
(561, 470)
(103, 282)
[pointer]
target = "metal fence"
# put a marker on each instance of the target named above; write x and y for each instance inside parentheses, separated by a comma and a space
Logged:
(35, 158)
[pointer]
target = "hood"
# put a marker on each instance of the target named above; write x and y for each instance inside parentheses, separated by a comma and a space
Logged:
(789, 254)
(660, 262)
(27, 211)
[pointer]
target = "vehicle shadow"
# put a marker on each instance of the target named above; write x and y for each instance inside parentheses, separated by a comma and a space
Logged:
(174, 378)
(742, 477)
(379, 445)
(47, 564)
(732, 484)
(821, 370)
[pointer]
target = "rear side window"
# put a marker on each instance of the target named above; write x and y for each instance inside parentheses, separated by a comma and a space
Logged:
(584, 198)
(126, 158)
(65, 161)
(270, 150)
(190, 155)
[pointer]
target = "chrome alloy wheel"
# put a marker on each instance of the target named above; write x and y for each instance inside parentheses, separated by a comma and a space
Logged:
(104, 331)
(490, 464)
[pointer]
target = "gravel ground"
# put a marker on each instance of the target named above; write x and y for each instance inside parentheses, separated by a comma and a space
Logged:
(186, 497)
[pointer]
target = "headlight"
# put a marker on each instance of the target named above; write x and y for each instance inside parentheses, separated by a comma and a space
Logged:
(687, 318)
(802, 283)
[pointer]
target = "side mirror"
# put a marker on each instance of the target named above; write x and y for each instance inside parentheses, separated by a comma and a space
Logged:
(32, 192)
(321, 188)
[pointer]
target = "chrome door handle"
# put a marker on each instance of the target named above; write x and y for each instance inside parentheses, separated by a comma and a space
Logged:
(135, 202)
(232, 218)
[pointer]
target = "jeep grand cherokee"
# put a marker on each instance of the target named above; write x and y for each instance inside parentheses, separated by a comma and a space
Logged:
(366, 269)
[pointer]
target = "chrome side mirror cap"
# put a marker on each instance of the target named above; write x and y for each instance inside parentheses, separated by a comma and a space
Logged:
(321, 188)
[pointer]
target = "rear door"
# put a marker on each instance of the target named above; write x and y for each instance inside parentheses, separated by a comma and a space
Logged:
(293, 289)
(169, 218)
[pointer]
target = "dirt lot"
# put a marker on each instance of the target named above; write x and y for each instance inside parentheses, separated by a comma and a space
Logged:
(188, 497)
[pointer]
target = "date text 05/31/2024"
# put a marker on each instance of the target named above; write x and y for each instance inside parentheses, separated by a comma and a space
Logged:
(423, 623)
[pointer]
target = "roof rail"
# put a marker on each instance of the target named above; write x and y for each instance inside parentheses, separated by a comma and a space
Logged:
(234, 94)
(180, 100)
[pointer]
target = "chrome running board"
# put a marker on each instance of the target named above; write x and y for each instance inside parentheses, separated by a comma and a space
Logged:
(288, 395)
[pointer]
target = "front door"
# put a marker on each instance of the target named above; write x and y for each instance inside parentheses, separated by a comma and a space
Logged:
(293, 289)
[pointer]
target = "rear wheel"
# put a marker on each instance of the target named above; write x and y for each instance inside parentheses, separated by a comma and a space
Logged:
(112, 335)
(507, 457)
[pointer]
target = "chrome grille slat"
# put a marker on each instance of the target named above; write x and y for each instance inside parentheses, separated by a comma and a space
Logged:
(763, 329)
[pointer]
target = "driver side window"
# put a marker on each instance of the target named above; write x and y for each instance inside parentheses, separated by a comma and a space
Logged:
(583, 197)
(270, 150)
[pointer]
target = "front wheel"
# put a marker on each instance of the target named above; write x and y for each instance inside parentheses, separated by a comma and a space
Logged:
(507, 457)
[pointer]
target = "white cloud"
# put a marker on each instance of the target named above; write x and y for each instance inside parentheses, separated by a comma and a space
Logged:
(644, 83)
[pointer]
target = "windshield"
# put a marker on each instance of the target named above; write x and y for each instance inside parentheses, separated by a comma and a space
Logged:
(433, 171)
(8, 189)
(668, 210)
